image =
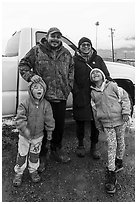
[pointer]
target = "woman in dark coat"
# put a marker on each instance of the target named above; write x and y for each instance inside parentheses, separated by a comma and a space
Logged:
(84, 60)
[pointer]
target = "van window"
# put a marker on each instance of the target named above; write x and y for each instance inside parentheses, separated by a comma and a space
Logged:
(40, 36)
(12, 47)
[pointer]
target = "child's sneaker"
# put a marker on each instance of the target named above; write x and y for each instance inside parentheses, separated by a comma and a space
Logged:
(111, 181)
(118, 164)
(35, 177)
(17, 180)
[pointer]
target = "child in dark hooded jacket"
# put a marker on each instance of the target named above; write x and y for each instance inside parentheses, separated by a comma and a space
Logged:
(33, 114)
(111, 107)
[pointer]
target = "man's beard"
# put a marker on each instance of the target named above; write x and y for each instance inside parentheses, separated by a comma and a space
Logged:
(56, 47)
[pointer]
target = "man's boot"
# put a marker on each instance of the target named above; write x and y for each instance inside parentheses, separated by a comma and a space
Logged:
(43, 161)
(93, 151)
(59, 156)
(42, 165)
(80, 151)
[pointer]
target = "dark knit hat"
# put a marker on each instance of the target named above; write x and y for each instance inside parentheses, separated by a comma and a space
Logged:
(54, 30)
(84, 39)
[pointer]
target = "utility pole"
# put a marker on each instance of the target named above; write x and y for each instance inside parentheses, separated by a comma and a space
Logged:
(97, 24)
(112, 32)
(125, 54)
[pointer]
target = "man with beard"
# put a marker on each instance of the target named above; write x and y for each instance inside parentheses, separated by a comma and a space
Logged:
(52, 62)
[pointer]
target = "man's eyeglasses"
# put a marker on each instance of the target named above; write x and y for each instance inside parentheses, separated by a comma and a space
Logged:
(85, 44)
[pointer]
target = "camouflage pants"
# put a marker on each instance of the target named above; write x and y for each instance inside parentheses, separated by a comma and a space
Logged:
(28, 152)
(116, 144)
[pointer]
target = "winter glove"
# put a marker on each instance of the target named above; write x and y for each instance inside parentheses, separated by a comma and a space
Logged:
(49, 135)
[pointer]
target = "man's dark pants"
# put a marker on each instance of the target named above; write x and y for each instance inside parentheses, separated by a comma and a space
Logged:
(80, 131)
(59, 109)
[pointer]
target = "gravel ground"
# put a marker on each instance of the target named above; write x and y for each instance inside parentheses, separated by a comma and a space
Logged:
(82, 180)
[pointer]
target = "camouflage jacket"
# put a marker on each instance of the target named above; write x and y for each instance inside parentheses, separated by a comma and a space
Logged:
(56, 69)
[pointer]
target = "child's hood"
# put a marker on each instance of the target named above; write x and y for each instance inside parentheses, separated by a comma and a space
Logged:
(99, 70)
(42, 83)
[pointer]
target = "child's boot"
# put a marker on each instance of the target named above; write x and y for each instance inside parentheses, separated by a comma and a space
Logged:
(118, 164)
(111, 181)
(17, 180)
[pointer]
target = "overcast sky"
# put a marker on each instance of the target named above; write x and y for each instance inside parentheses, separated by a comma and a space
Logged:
(75, 18)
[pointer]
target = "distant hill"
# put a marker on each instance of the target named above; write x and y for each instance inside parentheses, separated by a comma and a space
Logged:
(120, 53)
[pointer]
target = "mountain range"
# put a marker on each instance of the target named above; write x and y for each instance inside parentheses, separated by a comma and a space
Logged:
(119, 53)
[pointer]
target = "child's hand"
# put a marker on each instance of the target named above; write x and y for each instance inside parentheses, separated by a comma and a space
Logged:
(101, 131)
(125, 117)
(36, 78)
(27, 133)
(49, 136)
(100, 128)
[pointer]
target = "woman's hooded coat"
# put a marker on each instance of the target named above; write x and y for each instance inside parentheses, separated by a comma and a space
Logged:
(81, 90)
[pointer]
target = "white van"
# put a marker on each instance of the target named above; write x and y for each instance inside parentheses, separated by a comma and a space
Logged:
(14, 87)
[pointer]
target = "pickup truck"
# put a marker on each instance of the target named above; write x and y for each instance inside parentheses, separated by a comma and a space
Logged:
(14, 87)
